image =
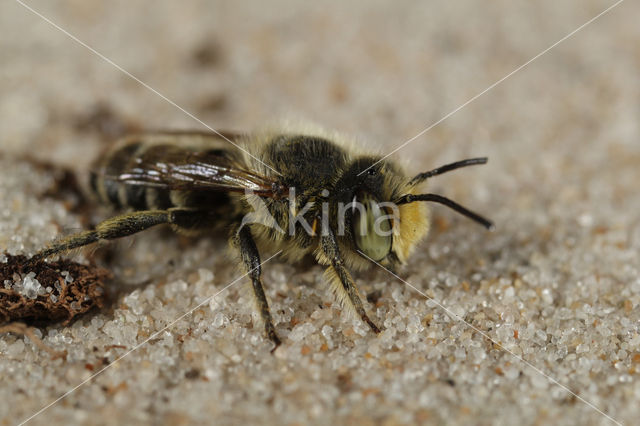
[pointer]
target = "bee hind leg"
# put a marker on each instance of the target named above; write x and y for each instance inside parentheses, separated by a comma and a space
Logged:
(346, 288)
(120, 226)
(243, 240)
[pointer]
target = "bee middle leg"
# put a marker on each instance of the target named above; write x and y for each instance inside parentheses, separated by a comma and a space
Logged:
(243, 240)
(331, 250)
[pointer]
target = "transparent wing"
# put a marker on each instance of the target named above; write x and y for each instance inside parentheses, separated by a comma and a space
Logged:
(193, 162)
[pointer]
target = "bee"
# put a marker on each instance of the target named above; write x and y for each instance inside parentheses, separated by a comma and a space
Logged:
(300, 194)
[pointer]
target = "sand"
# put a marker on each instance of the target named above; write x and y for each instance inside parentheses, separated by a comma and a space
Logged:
(534, 323)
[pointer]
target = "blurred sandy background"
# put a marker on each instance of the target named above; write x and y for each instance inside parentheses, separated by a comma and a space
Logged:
(557, 284)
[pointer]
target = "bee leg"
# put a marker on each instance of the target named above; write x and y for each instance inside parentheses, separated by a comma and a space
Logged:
(331, 250)
(243, 240)
(115, 227)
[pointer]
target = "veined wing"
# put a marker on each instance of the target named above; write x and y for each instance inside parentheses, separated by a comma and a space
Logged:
(190, 162)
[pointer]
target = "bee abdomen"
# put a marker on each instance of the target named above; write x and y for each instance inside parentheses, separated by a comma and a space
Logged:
(105, 183)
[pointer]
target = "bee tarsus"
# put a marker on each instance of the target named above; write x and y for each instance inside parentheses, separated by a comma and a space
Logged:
(251, 260)
(332, 251)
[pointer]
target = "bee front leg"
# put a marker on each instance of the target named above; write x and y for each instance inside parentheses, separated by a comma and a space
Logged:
(346, 288)
(243, 240)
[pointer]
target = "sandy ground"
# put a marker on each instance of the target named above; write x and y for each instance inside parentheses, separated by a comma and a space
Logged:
(541, 322)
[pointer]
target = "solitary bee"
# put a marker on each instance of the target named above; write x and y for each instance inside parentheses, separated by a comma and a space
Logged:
(297, 193)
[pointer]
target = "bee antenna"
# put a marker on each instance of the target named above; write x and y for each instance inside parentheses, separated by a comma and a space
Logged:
(411, 198)
(447, 168)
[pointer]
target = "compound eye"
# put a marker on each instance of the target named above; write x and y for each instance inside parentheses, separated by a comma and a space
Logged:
(371, 227)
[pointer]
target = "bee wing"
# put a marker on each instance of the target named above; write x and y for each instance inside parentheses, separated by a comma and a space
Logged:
(192, 162)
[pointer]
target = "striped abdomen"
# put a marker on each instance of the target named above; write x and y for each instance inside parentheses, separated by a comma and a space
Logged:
(141, 156)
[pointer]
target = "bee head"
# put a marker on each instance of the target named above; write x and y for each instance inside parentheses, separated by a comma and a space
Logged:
(384, 219)
(367, 209)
